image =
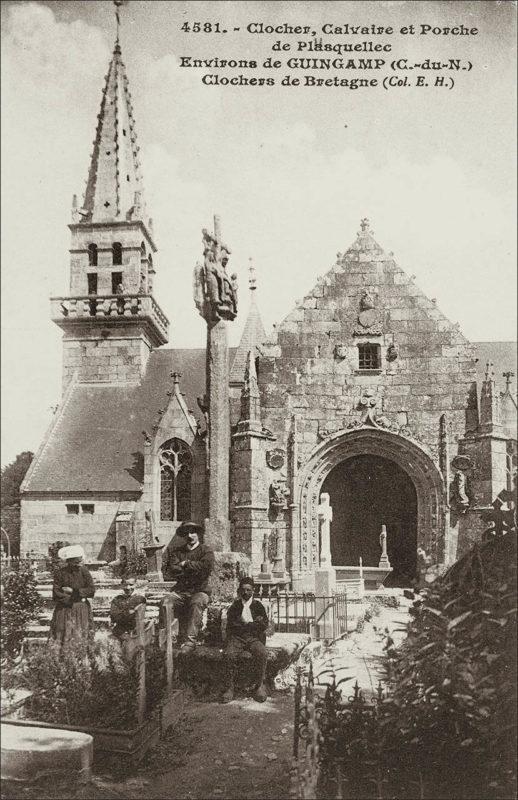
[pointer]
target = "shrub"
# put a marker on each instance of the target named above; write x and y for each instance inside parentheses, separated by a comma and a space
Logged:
(448, 725)
(133, 563)
(19, 605)
(76, 687)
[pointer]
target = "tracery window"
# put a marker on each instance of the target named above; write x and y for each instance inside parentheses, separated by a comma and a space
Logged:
(175, 480)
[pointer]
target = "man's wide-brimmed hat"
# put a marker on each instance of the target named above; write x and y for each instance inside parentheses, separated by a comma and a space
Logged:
(71, 551)
(189, 527)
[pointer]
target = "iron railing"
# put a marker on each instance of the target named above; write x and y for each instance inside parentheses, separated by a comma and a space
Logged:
(321, 616)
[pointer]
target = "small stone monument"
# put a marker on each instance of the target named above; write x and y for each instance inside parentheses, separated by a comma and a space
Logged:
(279, 558)
(153, 551)
(384, 562)
(325, 575)
(266, 566)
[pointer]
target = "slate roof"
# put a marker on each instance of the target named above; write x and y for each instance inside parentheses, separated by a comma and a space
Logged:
(96, 443)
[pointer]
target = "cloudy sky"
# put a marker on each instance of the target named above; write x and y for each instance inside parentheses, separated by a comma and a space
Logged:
(290, 171)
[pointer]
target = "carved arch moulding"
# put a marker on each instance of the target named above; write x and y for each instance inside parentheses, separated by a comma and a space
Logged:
(432, 519)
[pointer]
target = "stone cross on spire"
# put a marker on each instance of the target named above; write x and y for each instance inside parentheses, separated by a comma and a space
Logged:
(118, 4)
(252, 280)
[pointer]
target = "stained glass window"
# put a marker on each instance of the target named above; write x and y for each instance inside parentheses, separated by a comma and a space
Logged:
(175, 480)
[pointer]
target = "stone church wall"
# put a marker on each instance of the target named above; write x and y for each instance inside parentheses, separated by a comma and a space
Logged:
(46, 520)
(312, 369)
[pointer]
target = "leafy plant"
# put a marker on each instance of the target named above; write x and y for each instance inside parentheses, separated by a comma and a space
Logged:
(131, 564)
(447, 727)
(76, 687)
(20, 602)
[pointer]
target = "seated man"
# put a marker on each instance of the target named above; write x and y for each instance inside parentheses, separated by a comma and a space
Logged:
(190, 564)
(247, 622)
(122, 608)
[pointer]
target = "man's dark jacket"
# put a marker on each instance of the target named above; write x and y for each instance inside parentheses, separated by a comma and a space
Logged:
(194, 575)
(247, 630)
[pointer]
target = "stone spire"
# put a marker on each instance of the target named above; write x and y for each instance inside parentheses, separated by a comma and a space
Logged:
(252, 336)
(489, 401)
(250, 399)
(114, 190)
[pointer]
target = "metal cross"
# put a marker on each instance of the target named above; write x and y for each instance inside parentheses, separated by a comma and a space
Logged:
(508, 376)
(118, 4)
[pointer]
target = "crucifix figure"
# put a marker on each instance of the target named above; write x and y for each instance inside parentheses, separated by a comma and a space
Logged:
(215, 292)
(325, 515)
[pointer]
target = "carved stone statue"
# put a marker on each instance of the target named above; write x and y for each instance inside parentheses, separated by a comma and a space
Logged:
(279, 493)
(367, 300)
(215, 293)
(459, 492)
(392, 352)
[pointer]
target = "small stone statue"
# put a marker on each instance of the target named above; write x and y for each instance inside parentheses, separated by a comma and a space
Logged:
(278, 496)
(392, 352)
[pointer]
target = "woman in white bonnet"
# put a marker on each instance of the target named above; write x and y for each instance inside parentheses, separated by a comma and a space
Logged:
(73, 584)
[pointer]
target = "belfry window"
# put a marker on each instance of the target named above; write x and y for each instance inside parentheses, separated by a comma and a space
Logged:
(92, 255)
(369, 356)
(116, 253)
(92, 282)
(175, 480)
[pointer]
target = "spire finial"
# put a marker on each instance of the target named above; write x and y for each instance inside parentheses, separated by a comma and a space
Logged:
(252, 280)
(118, 4)
(365, 224)
(176, 381)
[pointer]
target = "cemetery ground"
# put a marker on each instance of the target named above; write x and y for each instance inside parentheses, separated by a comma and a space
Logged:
(239, 750)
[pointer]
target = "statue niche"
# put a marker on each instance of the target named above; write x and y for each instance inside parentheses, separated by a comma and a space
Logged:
(215, 293)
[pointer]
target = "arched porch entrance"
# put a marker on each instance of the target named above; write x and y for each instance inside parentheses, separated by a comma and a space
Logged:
(366, 492)
(387, 455)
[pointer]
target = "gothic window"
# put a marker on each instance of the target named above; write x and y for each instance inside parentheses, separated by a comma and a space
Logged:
(175, 480)
(142, 250)
(116, 253)
(369, 356)
(92, 255)
(150, 261)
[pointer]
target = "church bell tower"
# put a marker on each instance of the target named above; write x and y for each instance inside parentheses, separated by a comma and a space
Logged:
(110, 318)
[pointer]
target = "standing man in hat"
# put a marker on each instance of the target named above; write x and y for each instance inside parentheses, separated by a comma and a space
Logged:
(122, 608)
(190, 564)
(72, 618)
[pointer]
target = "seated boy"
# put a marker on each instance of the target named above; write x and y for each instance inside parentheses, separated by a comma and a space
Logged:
(247, 622)
(122, 608)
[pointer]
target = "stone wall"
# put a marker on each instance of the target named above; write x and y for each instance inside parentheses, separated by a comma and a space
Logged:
(115, 355)
(310, 371)
(312, 367)
(46, 520)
